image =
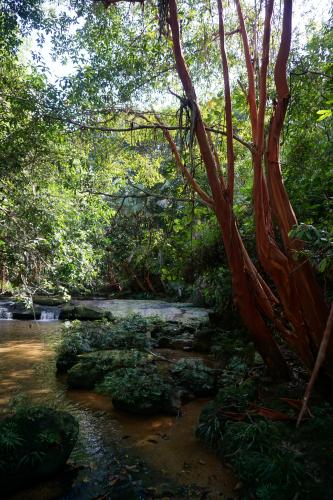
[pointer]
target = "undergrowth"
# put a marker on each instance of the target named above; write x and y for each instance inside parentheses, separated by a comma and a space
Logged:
(195, 376)
(253, 428)
(137, 390)
(83, 337)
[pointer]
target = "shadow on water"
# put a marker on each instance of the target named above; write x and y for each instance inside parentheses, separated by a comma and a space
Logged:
(141, 457)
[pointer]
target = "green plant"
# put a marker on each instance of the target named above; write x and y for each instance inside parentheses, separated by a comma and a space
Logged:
(49, 437)
(10, 437)
(194, 375)
(32, 458)
(87, 336)
(318, 246)
(136, 389)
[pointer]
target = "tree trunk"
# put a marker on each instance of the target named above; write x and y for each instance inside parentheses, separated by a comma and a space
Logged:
(250, 292)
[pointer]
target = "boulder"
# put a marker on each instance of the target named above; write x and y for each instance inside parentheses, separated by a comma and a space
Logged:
(90, 313)
(142, 391)
(43, 300)
(26, 315)
(35, 443)
(194, 376)
(84, 313)
(203, 340)
(67, 312)
(65, 361)
(164, 342)
(173, 335)
(92, 367)
(184, 343)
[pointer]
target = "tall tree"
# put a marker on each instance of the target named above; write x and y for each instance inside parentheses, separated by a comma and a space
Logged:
(295, 305)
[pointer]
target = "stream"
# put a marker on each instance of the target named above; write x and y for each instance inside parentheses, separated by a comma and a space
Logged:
(157, 453)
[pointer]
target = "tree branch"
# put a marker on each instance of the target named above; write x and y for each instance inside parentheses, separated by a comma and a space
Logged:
(251, 96)
(263, 76)
(193, 183)
(228, 105)
(155, 126)
(319, 362)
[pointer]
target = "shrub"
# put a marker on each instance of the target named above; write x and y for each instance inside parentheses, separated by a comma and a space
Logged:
(194, 375)
(138, 390)
(94, 366)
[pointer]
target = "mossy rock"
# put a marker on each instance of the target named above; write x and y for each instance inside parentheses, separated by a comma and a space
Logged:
(34, 444)
(85, 337)
(84, 313)
(203, 340)
(141, 390)
(84, 376)
(94, 366)
(65, 361)
(194, 376)
(27, 315)
(67, 312)
(49, 301)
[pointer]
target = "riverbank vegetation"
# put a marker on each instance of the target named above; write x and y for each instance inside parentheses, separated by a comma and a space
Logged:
(180, 150)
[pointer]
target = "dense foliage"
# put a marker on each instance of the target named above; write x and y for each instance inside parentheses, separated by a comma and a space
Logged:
(84, 209)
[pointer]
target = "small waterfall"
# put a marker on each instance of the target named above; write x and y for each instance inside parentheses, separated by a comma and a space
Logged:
(50, 314)
(5, 313)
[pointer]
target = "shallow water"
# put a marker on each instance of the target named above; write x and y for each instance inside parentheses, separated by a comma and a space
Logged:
(165, 444)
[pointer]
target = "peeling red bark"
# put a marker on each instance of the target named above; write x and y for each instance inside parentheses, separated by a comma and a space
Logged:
(251, 297)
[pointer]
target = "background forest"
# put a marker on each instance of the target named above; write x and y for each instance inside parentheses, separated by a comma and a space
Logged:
(89, 209)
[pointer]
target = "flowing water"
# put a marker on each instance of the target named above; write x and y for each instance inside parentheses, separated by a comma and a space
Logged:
(163, 449)
(5, 312)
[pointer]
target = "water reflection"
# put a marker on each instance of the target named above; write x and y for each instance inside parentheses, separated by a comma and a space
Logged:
(166, 444)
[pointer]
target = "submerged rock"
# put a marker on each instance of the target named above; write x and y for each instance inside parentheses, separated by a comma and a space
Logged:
(34, 444)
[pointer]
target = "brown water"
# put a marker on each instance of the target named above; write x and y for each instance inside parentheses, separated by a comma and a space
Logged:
(166, 444)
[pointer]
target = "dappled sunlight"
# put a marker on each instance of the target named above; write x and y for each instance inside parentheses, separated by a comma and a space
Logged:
(25, 349)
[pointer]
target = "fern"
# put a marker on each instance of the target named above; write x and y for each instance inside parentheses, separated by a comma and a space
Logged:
(32, 458)
(9, 436)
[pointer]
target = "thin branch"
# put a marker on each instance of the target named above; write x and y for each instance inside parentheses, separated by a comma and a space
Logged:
(319, 362)
(311, 72)
(280, 70)
(134, 127)
(107, 3)
(263, 76)
(193, 183)
(251, 96)
(228, 105)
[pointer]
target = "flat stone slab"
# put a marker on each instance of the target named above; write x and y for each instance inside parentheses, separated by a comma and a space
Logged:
(169, 311)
